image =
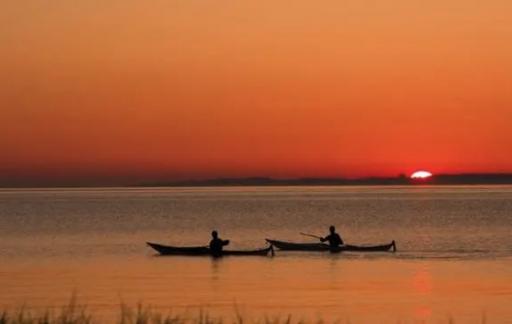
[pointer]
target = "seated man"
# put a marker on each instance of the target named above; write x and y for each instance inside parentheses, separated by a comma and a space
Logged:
(216, 244)
(334, 239)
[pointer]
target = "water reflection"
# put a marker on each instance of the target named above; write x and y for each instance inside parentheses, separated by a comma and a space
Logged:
(421, 284)
(423, 312)
(215, 264)
(422, 281)
(331, 288)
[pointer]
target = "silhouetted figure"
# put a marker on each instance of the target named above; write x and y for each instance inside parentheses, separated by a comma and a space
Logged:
(333, 238)
(216, 244)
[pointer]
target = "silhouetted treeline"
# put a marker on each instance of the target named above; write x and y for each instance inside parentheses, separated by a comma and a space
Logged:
(472, 178)
(441, 179)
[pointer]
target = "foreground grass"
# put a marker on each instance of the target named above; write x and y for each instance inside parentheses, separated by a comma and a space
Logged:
(74, 313)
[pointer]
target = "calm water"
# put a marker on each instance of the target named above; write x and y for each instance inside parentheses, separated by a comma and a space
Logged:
(454, 258)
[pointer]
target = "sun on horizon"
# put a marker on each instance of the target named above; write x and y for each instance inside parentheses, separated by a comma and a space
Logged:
(422, 174)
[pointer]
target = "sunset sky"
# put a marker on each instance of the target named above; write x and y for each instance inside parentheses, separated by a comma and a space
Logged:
(122, 91)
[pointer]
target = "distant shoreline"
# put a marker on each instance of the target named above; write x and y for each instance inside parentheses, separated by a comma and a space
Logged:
(401, 180)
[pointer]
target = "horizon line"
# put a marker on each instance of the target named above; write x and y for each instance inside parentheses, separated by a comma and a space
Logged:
(502, 178)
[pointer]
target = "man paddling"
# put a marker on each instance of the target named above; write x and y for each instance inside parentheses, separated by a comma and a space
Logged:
(216, 244)
(334, 238)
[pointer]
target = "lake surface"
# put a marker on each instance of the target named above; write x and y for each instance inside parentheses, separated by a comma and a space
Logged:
(454, 256)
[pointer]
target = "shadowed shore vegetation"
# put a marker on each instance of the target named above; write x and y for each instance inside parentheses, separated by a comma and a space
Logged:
(74, 313)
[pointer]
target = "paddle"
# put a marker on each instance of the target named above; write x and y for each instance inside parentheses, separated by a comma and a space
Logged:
(311, 235)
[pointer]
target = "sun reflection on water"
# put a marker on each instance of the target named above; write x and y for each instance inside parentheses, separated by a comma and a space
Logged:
(422, 285)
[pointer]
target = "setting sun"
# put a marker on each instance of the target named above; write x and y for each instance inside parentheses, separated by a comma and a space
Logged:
(421, 175)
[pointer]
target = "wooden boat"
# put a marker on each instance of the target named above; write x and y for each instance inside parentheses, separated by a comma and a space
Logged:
(203, 250)
(289, 246)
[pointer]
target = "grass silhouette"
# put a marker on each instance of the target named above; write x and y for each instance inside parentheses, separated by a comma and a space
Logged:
(74, 313)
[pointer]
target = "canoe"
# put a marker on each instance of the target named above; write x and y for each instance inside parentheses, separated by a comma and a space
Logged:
(203, 250)
(289, 246)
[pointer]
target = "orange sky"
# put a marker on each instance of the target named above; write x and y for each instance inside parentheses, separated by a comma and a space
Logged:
(123, 91)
